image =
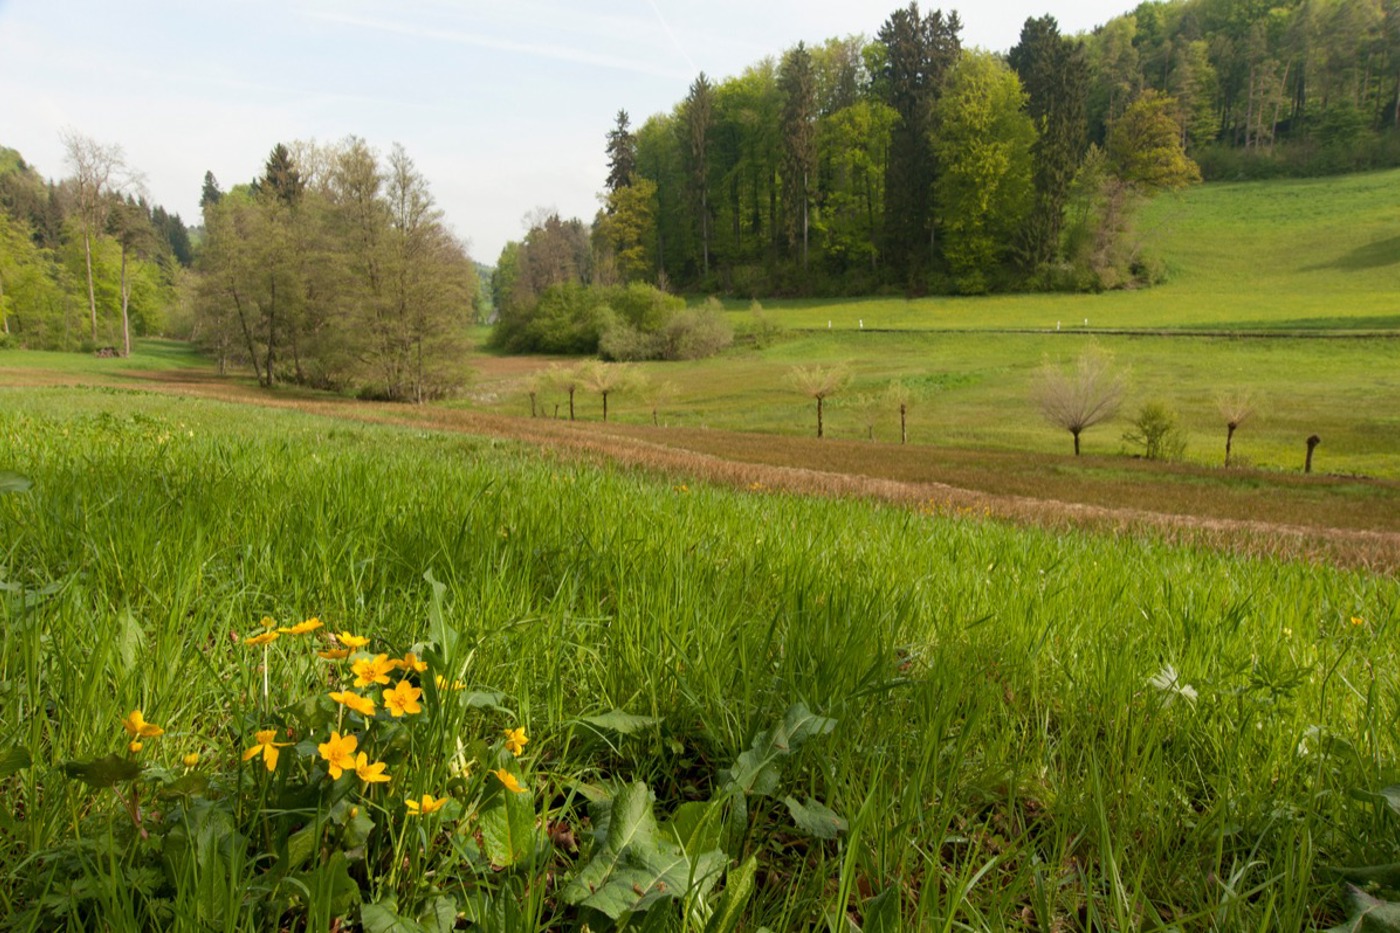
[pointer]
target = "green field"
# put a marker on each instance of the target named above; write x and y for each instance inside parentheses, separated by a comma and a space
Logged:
(1008, 748)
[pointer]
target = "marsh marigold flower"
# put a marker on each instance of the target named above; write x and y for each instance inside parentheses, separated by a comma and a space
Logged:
(266, 747)
(135, 724)
(515, 741)
(410, 662)
(133, 746)
(370, 773)
(1357, 620)
(339, 753)
(268, 622)
(428, 804)
(265, 638)
(301, 628)
(373, 670)
(190, 760)
(508, 779)
(351, 641)
(362, 705)
(444, 684)
(403, 698)
(334, 654)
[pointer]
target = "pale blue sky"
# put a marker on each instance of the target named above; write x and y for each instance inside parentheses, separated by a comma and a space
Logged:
(504, 106)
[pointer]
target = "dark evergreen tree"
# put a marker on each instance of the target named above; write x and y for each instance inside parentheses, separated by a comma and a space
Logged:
(699, 115)
(797, 81)
(211, 193)
(622, 154)
(281, 176)
(1055, 76)
(919, 50)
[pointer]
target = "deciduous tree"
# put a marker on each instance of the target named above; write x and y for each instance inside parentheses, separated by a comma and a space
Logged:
(1086, 395)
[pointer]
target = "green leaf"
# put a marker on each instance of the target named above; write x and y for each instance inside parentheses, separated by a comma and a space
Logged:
(13, 760)
(440, 915)
(738, 888)
(1385, 875)
(617, 824)
(1392, 797)
(1369, 914)
(14, 482)
(103, 772)
(300, 846)
(882, 912)
(383, 917)
(799, 725)
(757, 770)
(696, 826)
(131, 640)
(508, 828)
(621, 722)
(815, 819)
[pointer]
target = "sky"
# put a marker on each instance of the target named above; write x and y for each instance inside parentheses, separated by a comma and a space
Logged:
(503, 106)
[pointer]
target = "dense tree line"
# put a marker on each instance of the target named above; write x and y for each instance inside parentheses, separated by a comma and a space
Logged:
(85, 262)
(334, 269)
(906, 162)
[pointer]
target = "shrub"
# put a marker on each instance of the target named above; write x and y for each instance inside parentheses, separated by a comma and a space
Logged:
(1157, 430)
(696, 333)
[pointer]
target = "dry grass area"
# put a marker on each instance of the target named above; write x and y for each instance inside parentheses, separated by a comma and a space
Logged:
(1337, 520)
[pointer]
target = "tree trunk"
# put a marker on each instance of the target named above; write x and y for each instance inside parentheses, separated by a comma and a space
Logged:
(1313, 441)
(903, 431)
(92, 293)
(1229, 438)
(819, 416)
(654, 420)
(571, 404)
(605, 407)
(532, 404)
(247, 335)
(126, 302)
(1076, 442)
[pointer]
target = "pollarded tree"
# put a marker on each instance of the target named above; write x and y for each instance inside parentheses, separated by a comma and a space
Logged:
(820, 383)
(1086, 395)
(606, 379)
(899, 395)
(655, 394)
(566, 379)
(1235, 408)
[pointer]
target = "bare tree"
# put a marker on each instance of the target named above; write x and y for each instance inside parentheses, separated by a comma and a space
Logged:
(655, 394)
(867, 406)
(1086, 395)
(567, 379)
(605, 379)
(819, 382)
(99, 170)
(1236, 407)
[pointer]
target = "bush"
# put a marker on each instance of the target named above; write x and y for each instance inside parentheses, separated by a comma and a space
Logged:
(626, 344)
(1157, 430)
(696, 333)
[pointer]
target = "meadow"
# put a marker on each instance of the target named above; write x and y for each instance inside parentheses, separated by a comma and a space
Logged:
(742, 708)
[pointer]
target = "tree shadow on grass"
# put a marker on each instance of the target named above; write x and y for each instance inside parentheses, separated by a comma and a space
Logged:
(1371, 256)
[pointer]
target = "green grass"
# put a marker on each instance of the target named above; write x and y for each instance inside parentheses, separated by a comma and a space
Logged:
(1000, 753)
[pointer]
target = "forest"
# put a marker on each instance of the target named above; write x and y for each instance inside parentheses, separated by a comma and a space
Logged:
(899, 164)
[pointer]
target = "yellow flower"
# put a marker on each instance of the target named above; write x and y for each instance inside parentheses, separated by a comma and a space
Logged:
(410, 662)
(1357, 620)
(351, 641)
(370, 773)
(334, 654)
(301, 628)
(135, 724)
(133, 747)
(263, 639)
(267, 622)
(266, 747)
(191, 759)
(339, 753)
(508, 779)
(373, 670)
(362, 705)
(443, 683)
(428, 804)
(515, 741)
(403, 698)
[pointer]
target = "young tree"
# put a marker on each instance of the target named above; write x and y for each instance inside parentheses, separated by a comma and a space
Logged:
(566, 379)
(1235, 407)
(1157, 430)
(655, 394)
(1087, 395)
(605, 379)
(899, 395)
(820, 383)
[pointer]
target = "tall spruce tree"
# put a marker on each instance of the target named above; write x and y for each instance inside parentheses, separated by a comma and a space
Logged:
(1054, 73)
(622, 154)
(797, 81)
(699, 115)
(919, 50)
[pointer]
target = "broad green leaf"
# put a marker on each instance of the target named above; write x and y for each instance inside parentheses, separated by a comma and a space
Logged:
(757, 770)
(738, 888)
(799, 725)
(300, 846)
(882, 912)
(14, 482)
(14, 760)
(624, 820)
(696, 826)
(330, 884)
(131, 640)
(440, 915)
(620, 722)
(508, 828)
(383, 917)
(1392, 797)
(652, 873)
(1385, 875)
(103, 772)
(1368, 914)
(815, 818)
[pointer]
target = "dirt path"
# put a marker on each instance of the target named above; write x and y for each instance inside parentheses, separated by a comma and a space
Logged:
(664, 452)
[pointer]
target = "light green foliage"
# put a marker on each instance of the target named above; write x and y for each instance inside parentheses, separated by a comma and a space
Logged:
(1144, 145)
(982, 138)
(1156, 428)
(629, 227)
